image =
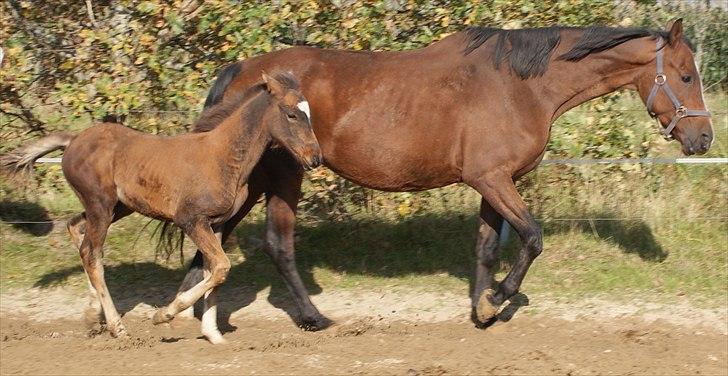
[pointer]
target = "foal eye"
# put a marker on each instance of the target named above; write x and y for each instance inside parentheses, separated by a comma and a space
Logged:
(687, 79)
(291, 116)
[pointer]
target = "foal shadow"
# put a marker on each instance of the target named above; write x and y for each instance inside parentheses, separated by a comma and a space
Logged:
(22, 215)
(129, 283)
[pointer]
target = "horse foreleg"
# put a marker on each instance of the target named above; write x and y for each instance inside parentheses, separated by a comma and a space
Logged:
(487, 251)
(501, 194)
(219, 265)
(256, 183)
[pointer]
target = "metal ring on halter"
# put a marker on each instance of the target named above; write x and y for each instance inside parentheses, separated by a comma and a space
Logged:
(681, 112)
(660, 79)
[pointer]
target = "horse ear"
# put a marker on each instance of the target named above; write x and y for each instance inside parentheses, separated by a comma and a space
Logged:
(676, 31)
(274, 86)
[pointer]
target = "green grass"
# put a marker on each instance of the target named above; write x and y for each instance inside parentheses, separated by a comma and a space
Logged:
(672, 238)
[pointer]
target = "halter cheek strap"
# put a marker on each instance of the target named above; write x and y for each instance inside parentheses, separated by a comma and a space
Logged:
(661, 83)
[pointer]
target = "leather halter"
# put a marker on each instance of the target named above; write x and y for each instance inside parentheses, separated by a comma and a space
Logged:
(661, 83)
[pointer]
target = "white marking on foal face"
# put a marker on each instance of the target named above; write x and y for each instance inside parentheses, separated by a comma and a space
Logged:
(303, 106)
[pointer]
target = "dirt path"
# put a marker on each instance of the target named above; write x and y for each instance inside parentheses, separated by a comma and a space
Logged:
(404, 333)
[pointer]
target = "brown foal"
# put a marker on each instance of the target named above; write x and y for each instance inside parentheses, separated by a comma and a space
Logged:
(475, 107)
(197, 181)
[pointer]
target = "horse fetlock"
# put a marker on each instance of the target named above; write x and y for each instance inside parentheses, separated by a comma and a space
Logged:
(486, 309)
(220, 273)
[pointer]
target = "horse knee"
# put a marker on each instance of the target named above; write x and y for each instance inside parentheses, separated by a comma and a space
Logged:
(534, 244)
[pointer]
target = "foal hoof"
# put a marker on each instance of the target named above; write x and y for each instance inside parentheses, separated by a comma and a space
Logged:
(312, 324)
(161, 317)
(485, 310)
(215, 338)
(119, 331)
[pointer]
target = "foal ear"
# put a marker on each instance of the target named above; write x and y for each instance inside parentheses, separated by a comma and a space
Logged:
(676, 31)
(274, 86)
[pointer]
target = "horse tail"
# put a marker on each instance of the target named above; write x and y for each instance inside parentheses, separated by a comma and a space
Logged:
(22, 159)
(224, 78)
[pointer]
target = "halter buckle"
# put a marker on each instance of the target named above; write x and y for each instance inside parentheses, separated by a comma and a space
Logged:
(660, 79)
(681, 112)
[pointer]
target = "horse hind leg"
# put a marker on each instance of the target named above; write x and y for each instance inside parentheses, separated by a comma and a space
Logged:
(88, 234)
(501, 194)
(93, 315)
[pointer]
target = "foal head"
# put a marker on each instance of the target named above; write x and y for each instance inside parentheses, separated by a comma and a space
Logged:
(289, 120)
(673, 92)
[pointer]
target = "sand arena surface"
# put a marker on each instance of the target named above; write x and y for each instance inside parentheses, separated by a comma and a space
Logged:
(403, 332)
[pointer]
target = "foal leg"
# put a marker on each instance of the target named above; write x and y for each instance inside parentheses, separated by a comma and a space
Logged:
(98, 219)
(209, 312)
(202, 235)
(256, 185)
(94, 313)
(487, 251)
(500, 192)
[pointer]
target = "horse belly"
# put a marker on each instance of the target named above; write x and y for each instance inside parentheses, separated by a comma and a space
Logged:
(388, 167)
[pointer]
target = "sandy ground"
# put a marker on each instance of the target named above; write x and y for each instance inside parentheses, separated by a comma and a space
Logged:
(403, 333)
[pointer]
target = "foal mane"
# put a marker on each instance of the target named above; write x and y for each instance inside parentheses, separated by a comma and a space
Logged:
(213, 116)
(528, 51)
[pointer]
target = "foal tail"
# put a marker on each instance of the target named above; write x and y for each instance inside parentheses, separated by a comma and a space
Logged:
(22, 159)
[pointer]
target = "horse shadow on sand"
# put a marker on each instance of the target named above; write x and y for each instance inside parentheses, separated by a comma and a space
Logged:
(420, 245)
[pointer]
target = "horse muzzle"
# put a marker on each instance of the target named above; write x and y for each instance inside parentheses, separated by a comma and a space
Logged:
(699, 145)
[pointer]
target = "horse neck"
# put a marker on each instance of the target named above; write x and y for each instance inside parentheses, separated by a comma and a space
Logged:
(242, 138)
(570, 84)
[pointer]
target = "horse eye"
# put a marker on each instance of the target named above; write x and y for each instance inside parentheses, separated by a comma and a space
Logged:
(291, 116)
(687, 79)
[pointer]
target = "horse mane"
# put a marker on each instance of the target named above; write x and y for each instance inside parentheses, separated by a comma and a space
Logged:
(213, 116)
(528, 51)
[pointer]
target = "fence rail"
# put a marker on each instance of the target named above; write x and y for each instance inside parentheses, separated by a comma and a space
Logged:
(505, 230)
(575, 161)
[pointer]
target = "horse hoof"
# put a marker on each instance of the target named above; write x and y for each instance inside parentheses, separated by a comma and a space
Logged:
(215, 338)
(161, 317)
(485, 310)
(315, 323)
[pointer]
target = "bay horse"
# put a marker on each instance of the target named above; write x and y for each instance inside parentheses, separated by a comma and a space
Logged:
(198, 181)
(475, 107)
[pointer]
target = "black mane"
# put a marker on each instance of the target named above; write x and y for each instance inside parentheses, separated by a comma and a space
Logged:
(213, 116)
(528, 51)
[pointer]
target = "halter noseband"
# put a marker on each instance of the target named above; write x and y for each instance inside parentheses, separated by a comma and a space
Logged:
(661, 82)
